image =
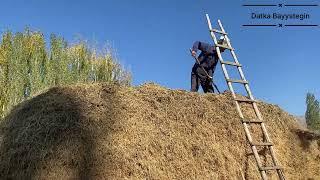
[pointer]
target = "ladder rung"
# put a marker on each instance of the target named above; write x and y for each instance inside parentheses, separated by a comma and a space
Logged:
(252, 121)
(225, 47)
(246, 100)
(231, 63)
(270, 168)
(217, 31)
(237, 81)
(261, 144)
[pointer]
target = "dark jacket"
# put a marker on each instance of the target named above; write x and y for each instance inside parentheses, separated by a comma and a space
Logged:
(208, 57)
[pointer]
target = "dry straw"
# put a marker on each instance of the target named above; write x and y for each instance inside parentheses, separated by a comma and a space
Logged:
(112, 132)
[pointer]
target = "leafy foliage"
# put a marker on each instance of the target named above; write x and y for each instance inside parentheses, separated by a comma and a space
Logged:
(313, 112)
(28, 67)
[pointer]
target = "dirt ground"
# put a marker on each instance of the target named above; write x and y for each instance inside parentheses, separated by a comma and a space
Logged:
(104, 131)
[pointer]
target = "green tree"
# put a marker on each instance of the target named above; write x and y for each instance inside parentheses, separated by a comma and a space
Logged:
(313, 112)
(6, 50)
(27, 67)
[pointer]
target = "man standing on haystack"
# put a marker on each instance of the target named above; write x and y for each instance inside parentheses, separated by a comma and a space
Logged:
(204, 67)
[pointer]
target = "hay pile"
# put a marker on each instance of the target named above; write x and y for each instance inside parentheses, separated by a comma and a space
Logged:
(111, 132)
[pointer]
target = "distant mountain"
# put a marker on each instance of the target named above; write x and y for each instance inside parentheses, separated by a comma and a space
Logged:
(302, 120)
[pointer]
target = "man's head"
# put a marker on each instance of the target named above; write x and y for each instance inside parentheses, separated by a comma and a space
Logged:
(223, 42)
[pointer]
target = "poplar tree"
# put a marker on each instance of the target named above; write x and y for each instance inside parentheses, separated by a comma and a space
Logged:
(312, 114)
(28, 67)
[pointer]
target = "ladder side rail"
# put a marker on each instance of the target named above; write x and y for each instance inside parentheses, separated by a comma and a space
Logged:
(254, 150)
(228, 41)
(248, 135)
(245, 125)
(256, 109)
(239, 68)
(226, 75)
(264, 129)
(224, 69)
(275, 161)
(225, 72)
(272, 151)
(246, 85)
(241, 73)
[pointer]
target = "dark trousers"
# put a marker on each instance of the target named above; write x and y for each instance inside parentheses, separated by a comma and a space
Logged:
(198, 77)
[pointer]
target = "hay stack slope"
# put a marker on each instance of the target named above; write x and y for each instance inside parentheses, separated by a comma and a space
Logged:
(149, 132)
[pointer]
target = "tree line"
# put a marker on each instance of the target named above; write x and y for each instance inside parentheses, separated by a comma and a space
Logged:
(28, 66)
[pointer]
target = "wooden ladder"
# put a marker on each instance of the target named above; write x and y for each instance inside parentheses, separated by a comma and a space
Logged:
(246, 122)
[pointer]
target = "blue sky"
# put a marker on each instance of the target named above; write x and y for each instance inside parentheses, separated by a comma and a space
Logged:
(152, 38)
